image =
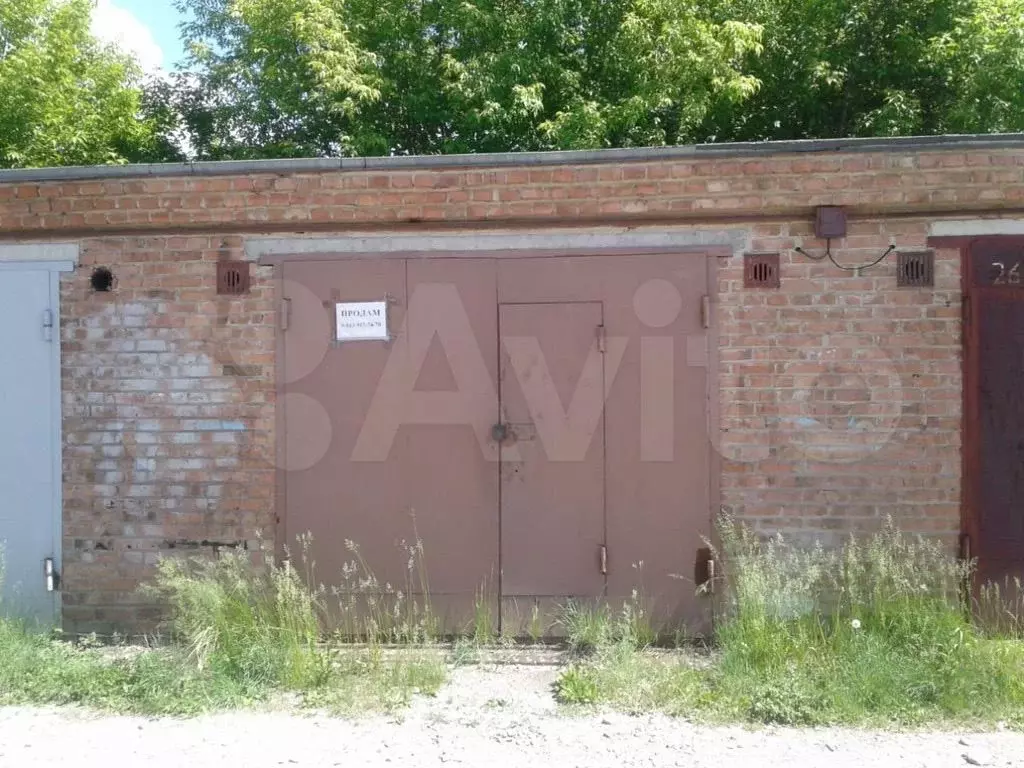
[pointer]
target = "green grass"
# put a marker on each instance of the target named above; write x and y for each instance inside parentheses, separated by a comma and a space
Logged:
(40, 669)
(258, 626)
(872, 634)
(592, 626)
(365, 680)
(483, 630)
(240, 636)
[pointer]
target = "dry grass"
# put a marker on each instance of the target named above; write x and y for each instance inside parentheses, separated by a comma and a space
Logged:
(241, 636)
(874, 633)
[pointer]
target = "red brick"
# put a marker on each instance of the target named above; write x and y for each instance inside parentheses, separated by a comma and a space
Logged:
(793, 363)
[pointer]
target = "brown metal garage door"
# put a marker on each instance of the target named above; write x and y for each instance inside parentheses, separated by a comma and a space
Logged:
(994, 449)
(539, 423)
(551, 396)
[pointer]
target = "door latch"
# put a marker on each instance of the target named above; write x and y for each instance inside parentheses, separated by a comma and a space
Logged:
(50, 573)
(604, 560)
(499, 432)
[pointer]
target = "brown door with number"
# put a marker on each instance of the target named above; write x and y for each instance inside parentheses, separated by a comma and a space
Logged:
(994, 439)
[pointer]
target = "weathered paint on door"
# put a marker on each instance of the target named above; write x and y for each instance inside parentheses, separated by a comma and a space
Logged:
(994, 444)
(608, 444)
(552, 456)
(386, 444)
(658, 472)
(29, 413)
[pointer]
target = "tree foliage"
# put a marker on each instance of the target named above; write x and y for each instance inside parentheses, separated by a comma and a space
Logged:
(834, 68)
(66, 100)
(980, 63)
(425, 76)
(288, 78)
(371, 77)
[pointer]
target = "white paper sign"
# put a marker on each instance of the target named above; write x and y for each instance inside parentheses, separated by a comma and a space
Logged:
(361, 320)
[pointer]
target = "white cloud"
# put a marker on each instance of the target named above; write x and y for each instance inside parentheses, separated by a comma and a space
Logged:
(120, 27)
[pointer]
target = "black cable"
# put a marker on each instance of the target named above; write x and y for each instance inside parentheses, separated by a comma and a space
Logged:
(828, 253)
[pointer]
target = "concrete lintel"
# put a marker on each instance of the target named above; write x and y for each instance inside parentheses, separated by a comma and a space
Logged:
(47, 255)
(283, 248)
(976, 227)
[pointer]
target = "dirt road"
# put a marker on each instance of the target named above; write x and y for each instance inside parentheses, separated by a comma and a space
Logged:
(486, 716)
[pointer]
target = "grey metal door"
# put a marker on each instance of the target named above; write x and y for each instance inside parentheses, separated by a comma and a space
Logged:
(29, 442)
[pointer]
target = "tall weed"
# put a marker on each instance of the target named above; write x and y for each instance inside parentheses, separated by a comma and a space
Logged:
(240, 634)
(381, 612)
(874, 633)
(999, 607)
(875, 629)
(258, 625)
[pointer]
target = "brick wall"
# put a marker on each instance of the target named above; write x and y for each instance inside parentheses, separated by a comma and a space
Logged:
(691, 190)
(168, 396)
(840, 395)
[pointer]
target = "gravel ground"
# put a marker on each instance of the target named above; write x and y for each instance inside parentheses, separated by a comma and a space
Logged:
(489, 716)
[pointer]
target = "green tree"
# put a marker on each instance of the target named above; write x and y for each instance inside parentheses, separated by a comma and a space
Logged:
(511, 75)
(66, 99)
(272, 78)
(371, 77)
(269, 78)
(834, 68)
(981, 61)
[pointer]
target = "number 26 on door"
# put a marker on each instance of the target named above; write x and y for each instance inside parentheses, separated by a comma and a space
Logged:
(1004, 276)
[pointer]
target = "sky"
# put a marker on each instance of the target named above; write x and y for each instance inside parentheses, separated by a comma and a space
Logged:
(146, 28)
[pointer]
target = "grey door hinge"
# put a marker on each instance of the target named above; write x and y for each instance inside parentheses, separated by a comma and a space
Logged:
(48, 325)
(50, 574)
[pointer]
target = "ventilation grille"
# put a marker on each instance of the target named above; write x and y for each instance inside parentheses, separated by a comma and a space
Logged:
(915, 269)
(232, 278)
(761, 270)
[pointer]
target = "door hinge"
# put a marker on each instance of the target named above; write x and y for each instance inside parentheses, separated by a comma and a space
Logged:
(705, 311)
(285, 313)
(602, 336)
(49, 574)
(48, 325)
(604, 560)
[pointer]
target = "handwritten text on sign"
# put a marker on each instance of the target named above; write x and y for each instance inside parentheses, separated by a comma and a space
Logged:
(361, 320)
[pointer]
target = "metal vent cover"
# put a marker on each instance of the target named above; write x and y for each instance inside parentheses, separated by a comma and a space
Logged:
(915, 269)
(761, 270)
(232, 278)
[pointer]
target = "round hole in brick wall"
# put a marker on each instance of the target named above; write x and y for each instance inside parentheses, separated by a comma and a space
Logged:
(102, 279)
